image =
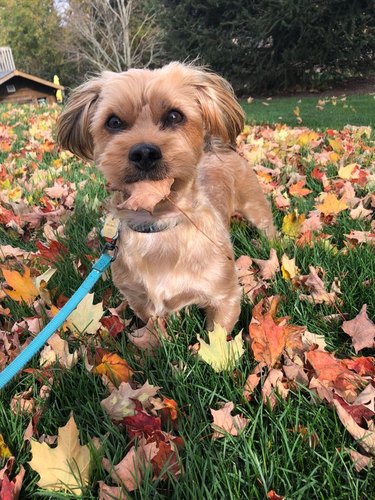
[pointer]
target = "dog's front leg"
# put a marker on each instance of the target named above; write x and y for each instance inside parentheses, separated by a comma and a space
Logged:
(225, 313)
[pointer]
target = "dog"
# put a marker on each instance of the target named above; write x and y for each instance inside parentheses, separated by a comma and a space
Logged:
(179, 122)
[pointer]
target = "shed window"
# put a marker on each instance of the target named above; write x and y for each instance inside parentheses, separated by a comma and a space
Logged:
(11, 88)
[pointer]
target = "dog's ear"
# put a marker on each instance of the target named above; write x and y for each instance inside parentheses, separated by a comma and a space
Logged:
(73, 127)
(222, 113)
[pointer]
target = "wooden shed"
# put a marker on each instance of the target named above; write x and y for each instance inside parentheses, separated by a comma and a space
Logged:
(19, 87)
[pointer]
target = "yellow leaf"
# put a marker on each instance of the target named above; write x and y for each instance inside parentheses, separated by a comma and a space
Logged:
(289, 269)
(4, 450)
(220, 353)
(348, 171)
(332, 205)
(86, 316)
(336, 145)
(24, 288)
(296, 111)
(292, 224)
(65, 467)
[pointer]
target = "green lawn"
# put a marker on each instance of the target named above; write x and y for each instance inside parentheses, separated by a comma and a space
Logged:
(269, 454)
(335, 113)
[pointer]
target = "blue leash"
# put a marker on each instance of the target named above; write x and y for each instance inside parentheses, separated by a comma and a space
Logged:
(37, 343)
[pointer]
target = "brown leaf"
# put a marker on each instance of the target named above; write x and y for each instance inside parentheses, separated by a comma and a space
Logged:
(274, 384)
(131, 469)
(317, 292)
(365, 437)
(225, 423)
(268, 268)
(360, 461)
(361, 329)
(145, 195)
(148, 337)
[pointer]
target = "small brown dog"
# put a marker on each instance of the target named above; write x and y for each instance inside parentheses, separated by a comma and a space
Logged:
(178, 123)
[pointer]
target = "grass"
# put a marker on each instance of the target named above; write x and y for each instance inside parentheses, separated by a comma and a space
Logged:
(269, 454)
(333, 114)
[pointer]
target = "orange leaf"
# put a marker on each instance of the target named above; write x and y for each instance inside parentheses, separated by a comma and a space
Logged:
(24, 288)
(298, 189)
(270, 336)
(332, 205)
(145, 195)
(115, 368)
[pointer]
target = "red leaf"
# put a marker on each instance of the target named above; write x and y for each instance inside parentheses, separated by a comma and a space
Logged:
(142, 424)
(53, 252)
(359, 413)
(113, 324)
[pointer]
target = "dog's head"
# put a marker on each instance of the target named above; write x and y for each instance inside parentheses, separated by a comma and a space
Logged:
(144, 124)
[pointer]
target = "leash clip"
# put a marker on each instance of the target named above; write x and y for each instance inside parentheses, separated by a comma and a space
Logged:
(110, 233)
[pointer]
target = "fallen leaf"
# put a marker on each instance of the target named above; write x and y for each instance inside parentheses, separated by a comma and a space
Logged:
(130, 471)
(274, 384)
(4, 450)
(331, 204)
(272, 495)
(268, 268)
(57, 350)
(148, 337)
(24, 288)
(86, 317)
(220, 353)
(299, 190)
(317, 292)
(10, 489)
(289, 269)
(65, 467)
(121, 402)
(145, 195)
(360, 461)
(268, 337)
(362, 365)
(361, 329)
(292, 224)
(365, 437)
(225, 423)
(114, 367)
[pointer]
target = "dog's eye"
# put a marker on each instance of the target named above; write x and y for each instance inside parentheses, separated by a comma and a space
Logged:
(114, 123)
(173, 117)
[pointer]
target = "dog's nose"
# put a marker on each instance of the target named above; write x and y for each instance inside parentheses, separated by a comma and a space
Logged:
(145, 156)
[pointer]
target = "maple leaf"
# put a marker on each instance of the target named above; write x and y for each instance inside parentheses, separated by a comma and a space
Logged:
(268, 337)
(145, 195)
(247, 277)
(131, 470)
(289, 269)
(121, 402)
(24, 289)
(86, 317)
(65, 467)
(318, 293)
(365, 437)
(225, 423)
(360, 461)
(362, 365)
(10, 490)
(148, 337)
(220, 353)
(114, 367)
(361, 329)
(57, 350)
(332, 373)
(299, 190)
(268, 268)
(331, 204)
(4, 450)
(274, 383)
(292, 224)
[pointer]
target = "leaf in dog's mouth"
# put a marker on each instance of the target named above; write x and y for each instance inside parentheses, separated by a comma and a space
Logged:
(145, 195)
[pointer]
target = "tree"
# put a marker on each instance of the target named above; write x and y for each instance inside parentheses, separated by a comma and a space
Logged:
(113, 34)
(32, 29)
(273, 44)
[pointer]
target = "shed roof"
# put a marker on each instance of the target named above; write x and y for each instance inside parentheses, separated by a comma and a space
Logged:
(7, 75)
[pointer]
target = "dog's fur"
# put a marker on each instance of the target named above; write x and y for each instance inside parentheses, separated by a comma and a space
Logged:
(192, 261)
